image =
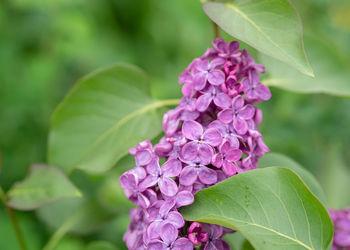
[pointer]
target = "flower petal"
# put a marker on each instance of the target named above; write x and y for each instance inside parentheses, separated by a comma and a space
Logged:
(167, 186)
(240, 126)
(143, 157)
(263, 92)
(184, 198)
(149, 181)
(222, 100)
(176, 219)
(207, 175)
(205, 153)
(190, 151)
(168, 233)
(171, 168)
(217, 160)
(237, 102)
(212, 136)
(225, 115)
(188, 176)
(192, 130)
(203, 102)
(229, 168)
(216, 77)
(233, 155)
(247, 112)
(182, 244)
(200, 80)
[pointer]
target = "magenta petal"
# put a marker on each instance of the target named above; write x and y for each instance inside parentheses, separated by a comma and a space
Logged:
(143, 157)
(171, 168)
(222, 100)
(143, 201)
(182, 244)
(153, 230)
(192, 130)
(240, 126)
(229, 168)
(156, 245)
(217, 160)
(203, 102)
(233, 155)
(212, 136)
(190, 151)
(153, 168)
(184, 198)
(237, 102)
(216, 77)
(207, 175)
(263, 92)
(251, 94)
(217, 62)
(225, 115)
(202, 65)
(166, 207)
(199, 81)
(205, 153)
(188, 176)
(168, 233)
(167, 186)
(247, 112)
(176, 219)
(342, 238)
(149, 181)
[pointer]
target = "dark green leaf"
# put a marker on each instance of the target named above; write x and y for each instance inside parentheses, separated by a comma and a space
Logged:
(332, 71)
(275, 159)
(105, 114)
(271, 207)
(272, 27)
(43, 185)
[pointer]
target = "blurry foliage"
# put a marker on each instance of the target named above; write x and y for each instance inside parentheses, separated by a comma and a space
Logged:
(46, 46)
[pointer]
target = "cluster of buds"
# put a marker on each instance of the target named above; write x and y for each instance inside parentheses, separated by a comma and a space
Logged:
(341, 223)
(210, 136)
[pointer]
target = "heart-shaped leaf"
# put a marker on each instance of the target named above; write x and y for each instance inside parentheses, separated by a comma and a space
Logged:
(43, 185)
(275, 159)
(105, 114)
(332, 72)
(271, 207)
(271, 26)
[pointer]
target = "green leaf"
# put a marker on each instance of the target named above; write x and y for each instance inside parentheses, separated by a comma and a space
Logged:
(43, 185)
(81, 216)
(100, 245)
(332, 72)
(273, 27)
(105, 114)
(271, 207)
(275, 159)
(237, 241)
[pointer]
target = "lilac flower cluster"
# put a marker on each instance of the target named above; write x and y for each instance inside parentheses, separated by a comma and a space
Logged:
(211, 135)
(341, 222)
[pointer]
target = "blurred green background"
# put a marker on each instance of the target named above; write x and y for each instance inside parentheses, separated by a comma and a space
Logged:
(45, 46)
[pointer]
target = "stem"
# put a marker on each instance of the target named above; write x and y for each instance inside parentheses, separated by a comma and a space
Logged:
(13, 220)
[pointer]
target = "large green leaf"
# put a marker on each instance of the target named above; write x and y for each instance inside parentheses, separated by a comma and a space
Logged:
(106, 113)
(43, 185)
(271, 207)
(270, 26)
(275, 159)
(332, 71)
(100, 245)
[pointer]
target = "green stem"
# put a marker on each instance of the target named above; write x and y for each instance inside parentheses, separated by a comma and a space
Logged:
(14, 220)
(62, 231)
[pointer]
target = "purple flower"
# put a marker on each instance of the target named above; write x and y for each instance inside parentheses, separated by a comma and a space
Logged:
(202, 142)
(196, 235)
(205, 136)
(161, 176)
(238, 114)
(169, 240)
(215, 241)
(215, 94)
(253, 89)
(205, 71)
(341, 222)
(196, 169)
(226, 158)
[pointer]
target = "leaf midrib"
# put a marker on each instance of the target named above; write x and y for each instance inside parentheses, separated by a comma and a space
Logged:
(120, 122)
(244, 16)
(224, 220)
